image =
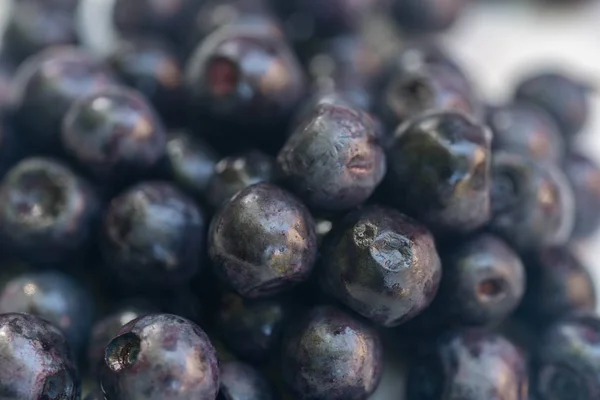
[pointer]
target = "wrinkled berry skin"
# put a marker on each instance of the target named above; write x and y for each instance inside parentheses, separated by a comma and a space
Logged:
(151, 67)
(567, 363)
(251, 329)
(558, 285)
(562, 97)
(190, 162)
(532, 203)
(382, 264)
(114, 134)
(528, 130)
(329, 355)
(55, 297)
(160, 356)
(48, 213)
(263, 241)
(440, 171)
(46, 85)
(333, 159)
(235, 173)
(468, 365)
(36, 360)
(584, 175)
(153, 235)
(240, 381)
(427, 16)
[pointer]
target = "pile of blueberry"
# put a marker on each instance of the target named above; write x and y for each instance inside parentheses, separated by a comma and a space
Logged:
(274, 199)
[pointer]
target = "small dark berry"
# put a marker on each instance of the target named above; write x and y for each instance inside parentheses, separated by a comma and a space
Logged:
(584, 175)
(427, 16)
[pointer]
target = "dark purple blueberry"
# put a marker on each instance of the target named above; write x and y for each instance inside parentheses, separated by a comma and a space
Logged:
(416, 86)
(240, 381)
(245, 75)
(190, 162)
(158, 357)
(584, 175)
(153, 236)
(333, 160)
(152, 67)
(235, 173)
(107, 328)
(250, 328)
(427, 16)
(440, 171)
(262, 241)
(567, 362)
(565, 99)
(532, 203)
(330, 355)
(468, 365)
(382, 264)
(36, 362)
(48, 212)
(528, 130)
(114, 134)
(46, 86)
(558, 285)
(34, 25)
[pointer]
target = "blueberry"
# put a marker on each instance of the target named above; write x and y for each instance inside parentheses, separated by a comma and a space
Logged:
(468, 365)
(558, 285)
(250, 328)
(440, 171)
(262, 241)
(153, 236)
(329, 355)
(427, 16)
(567, 360)
(235, 173)
(7, 70)
(382, 264)
(528, 130)
(565, 99)
(333, 160)
(584, 175)
(532, 203)
(36, 360)
(46, 85)
(96, 395)
(240, 381)
(160, 356)
(48, 213)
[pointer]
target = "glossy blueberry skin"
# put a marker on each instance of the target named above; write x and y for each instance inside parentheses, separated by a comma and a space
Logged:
(190, 162)
(153, 236)
(151, 66)
(251, 329)
(34, 25)
(46, 86)
(382, 264)
(36, 361)
(160, 356)
(427, 16)
(241, 381)
(439, 170)
(330, 355)
(333, 159)
(558, 285)
(528, 130)
(584, 176)
(532, 203)
(48, 212)
(262, 241)
(565, 99)
(55, 297)
(234, 173)
(114, 134)
(567, 360)
(468, 365)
